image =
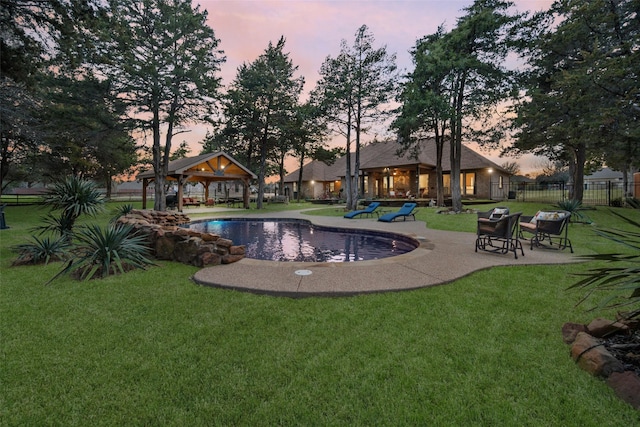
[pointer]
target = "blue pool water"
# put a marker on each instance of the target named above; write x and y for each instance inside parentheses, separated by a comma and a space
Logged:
(296, 240)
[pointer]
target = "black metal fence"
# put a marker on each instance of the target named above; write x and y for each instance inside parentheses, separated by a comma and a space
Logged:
(609, 193)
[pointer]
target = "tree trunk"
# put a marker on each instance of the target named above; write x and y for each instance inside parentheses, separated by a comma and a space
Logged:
(578, 175)
(299, 186)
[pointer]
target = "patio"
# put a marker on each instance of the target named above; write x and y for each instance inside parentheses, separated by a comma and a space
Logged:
(437, 261)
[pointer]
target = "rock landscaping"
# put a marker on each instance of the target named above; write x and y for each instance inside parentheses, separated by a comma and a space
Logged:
(168, 241)
(609, 350)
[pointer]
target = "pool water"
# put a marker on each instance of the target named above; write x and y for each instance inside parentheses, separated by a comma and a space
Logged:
(296, 240)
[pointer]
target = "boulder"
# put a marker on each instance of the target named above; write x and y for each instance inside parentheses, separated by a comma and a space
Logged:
(626, 386)
(570, 330)
(591, 355)
(600, 327)
(237, 250)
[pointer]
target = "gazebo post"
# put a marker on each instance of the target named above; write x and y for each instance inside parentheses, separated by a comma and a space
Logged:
(180, 193)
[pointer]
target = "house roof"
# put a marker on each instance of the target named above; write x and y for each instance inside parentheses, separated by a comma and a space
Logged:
(218, 166)
(604, 174)
(380, 155)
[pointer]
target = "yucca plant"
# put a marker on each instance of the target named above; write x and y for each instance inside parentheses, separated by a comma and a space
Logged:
(42, 251)
(58, 225)
(621, 285)
(74, 197)
(107, 251)
(575, 208)
(121, 211)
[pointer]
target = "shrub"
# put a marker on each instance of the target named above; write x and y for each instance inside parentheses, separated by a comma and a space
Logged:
(42, 251)
(621, 285)
(575, 208)
(121, 211)
(107, 251)
(74, 197)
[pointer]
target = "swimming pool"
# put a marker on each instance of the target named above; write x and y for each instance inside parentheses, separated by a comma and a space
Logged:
(299, 240)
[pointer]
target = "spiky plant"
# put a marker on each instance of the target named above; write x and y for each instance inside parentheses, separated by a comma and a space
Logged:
(42, 251)
(620, 284)
(575, 208)
(74, 197)
(59, 225)
(108, 251)
(121, 211)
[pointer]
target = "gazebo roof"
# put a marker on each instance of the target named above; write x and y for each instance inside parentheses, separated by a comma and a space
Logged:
(218, 166)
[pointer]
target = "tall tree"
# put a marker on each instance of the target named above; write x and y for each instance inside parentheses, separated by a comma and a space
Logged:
(306, 133)
(36, 37)
(582, 100)
(459, 82)
(424, 113)
(479, 46)
(356, 87)
(164, 65)
(84, 134)
(260, 105)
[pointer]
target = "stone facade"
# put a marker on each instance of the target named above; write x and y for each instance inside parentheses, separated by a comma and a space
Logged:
(168, 241)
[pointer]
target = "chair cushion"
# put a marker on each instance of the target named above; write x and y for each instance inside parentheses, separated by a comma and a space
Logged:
(528, 226)
(546, 216)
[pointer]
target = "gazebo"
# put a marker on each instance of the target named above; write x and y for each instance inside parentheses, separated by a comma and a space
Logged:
(204, 169)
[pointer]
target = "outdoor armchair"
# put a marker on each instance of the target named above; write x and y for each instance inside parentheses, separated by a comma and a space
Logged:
(548, 226)
(498, 235)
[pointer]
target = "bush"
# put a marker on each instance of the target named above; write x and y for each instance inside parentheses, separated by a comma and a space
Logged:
(42, 251)
(621, 285)
(101, 252)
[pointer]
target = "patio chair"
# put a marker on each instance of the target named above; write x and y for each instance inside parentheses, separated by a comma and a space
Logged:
(549, 226)
(499, 235)
(370, 210)
(407, 210)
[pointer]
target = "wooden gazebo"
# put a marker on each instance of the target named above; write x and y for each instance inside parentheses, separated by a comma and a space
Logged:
(204, 169)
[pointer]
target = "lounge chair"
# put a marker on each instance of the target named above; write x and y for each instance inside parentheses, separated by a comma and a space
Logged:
(498, 235)
(405, 211)
(550, 226)
(370, 210)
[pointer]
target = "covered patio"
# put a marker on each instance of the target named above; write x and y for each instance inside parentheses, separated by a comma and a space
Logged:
(203, 169)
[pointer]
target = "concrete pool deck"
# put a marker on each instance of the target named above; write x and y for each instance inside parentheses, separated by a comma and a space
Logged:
(443, 256)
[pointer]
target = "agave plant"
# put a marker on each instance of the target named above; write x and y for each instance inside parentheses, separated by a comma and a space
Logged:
(42, 251)
(620, 284)
(107, 251)
(121, 211)
(575, 208)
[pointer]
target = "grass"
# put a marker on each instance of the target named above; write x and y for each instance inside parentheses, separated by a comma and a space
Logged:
(151, 348)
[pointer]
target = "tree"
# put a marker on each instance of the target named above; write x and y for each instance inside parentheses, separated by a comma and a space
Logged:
(165, 64)
(260, 105)
(354, 87)
(424, 113)
(84, 134)
(459, 82)
(582, 98)
(512, 167)
(306, 133)
(37, 37)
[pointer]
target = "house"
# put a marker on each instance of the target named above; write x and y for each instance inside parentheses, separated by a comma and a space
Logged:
(386, 174)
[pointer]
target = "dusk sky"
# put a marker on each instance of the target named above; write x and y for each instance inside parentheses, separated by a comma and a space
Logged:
(314, 29)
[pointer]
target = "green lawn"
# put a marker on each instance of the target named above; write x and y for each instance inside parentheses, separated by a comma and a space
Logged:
(152, 348)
